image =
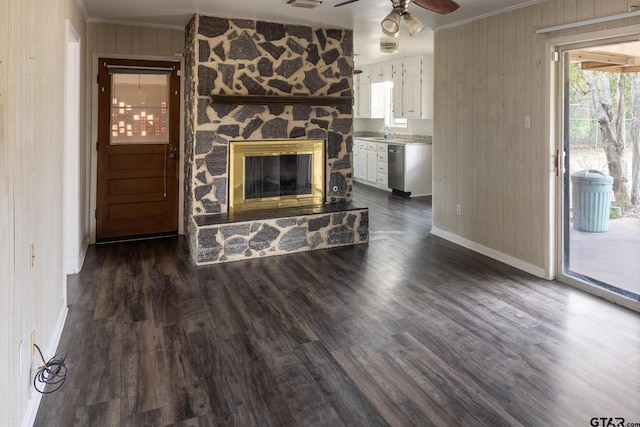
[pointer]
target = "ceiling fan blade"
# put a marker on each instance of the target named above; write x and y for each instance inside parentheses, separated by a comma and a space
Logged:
(345, 2)
(438, 6)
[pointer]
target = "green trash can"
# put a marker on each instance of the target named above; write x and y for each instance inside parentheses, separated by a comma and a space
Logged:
(591, 194)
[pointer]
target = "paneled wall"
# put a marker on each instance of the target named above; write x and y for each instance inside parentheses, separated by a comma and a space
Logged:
(133, 40)
(489, 75)
(32, 71)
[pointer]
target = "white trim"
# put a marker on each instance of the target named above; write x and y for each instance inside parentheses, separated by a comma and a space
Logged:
(73, 202)
(137, 24)
(33, 404)
(491, 253)
(606, 294)
(588, 22)
(83, 9)
(630, 31)
(487, 15)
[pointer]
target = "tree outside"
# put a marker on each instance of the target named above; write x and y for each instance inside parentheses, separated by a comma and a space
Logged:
(605, 130)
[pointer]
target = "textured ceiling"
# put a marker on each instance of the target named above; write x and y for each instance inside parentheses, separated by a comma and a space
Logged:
(363, 17)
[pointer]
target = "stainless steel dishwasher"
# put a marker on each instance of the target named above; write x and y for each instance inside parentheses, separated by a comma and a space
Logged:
(396, 167)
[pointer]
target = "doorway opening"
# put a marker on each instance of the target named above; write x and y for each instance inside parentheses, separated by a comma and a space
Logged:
(600, 191)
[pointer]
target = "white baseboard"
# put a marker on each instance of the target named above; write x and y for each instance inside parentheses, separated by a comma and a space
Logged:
(34, 399)
(491, 253)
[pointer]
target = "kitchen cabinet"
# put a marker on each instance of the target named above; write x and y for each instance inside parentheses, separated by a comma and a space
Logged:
(362, 94)
(362, 160)
(356, 156)
(381, 73)
(398, 109)
(372, 162)
(382, 176)
(372, 166)
(412, 89)
(408, 91)
(369, 97)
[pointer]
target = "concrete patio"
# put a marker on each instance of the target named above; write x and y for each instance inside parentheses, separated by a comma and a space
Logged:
(612, 257)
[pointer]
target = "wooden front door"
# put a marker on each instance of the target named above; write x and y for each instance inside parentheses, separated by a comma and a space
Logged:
(138, 148)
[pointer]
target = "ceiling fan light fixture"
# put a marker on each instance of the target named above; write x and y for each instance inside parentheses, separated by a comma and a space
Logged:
(413, 24)
(307, 4)
(391, 23)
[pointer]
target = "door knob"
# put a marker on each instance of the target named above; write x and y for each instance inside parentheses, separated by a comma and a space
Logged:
(173, 151)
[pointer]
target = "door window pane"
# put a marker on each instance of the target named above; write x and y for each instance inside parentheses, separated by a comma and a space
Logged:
(139, 109)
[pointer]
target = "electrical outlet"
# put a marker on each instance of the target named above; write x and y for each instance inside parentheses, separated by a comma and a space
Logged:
(458, 210)
(527, 121)
(32, 256)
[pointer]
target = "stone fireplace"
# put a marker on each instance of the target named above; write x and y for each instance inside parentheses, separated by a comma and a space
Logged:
(263, 83)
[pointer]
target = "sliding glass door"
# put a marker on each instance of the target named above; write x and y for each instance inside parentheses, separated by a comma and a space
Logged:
(600, 177)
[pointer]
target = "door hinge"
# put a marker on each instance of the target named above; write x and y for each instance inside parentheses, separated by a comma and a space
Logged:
(555, 56)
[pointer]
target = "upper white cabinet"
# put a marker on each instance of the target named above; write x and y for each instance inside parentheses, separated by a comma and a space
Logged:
(362, 94)
(413, 88)
(369, 99)
(381, 73)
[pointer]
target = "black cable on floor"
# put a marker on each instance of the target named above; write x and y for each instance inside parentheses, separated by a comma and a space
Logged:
(54, 372)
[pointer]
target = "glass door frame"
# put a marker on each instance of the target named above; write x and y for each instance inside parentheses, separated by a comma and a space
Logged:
(561, 50)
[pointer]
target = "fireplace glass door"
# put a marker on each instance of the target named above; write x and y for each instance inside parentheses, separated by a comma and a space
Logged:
(275, 174)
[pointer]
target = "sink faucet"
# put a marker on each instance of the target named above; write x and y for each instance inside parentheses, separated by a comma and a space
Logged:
(386, 132)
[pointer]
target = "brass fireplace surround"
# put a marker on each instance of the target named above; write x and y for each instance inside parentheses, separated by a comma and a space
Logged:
(240, 150)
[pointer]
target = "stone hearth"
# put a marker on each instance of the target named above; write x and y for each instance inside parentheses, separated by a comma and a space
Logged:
(247, 58)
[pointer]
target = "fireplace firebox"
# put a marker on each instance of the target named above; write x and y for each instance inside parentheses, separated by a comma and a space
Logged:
(274, 174)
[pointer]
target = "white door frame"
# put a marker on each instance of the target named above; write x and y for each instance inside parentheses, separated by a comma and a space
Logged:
(73, 232)
(560, 45)
(93, 93)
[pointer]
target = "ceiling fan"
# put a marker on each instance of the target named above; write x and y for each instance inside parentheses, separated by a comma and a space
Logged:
(438, 6)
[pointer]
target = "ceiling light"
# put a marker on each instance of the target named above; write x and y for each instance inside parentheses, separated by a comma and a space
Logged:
(391, 23)
(307, 4)
(412, 23)
(389, 47)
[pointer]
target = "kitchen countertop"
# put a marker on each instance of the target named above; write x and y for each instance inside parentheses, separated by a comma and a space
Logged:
(398, 139)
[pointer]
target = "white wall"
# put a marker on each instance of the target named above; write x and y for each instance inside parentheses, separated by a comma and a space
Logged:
(489, 74)
(32, 80)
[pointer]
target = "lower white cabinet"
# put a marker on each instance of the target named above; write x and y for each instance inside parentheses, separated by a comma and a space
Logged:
(372, 158)
(370, 163)
(362, 160)
(382, 162)
(371, 166)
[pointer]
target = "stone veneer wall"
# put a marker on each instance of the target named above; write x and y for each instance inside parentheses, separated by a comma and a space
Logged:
(245, 57)
(215, 243)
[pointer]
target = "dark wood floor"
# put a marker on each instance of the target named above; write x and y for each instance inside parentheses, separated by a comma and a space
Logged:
(407, 330)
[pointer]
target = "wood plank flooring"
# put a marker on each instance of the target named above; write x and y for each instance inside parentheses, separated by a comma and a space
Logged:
(407, 330)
